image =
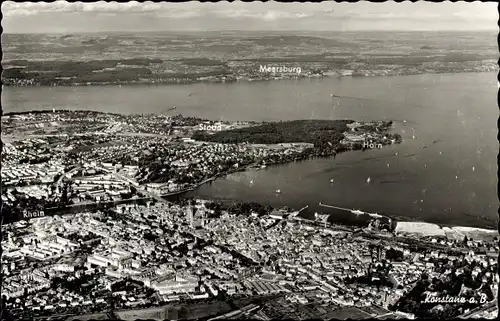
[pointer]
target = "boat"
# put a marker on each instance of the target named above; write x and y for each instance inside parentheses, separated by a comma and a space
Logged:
(331, 181)
(251, 182)
(263, 166)
(278, 191)
(357, 212)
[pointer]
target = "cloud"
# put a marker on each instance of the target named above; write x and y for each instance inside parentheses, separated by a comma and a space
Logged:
(178, 14)
(232, 13)
(161, 10)
(269, 11)
(406, 15)
(10, 8)
(274, 15)
(266, 15)
(240, 15)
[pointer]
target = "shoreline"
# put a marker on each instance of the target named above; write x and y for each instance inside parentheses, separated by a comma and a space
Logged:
(457, 228)
(243, 168)
(460, 229)
(208, 180)
(440, 225)
(254, 165)
(240, 80)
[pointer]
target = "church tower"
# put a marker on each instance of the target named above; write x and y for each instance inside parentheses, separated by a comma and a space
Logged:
(190, 215)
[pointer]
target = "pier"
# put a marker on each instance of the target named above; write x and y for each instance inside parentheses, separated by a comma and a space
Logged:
(356, 212)
(297, 213)
(335, 207)
(303, 209)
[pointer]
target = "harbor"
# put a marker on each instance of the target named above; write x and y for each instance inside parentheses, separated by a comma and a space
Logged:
(363, 218)
(355, 212)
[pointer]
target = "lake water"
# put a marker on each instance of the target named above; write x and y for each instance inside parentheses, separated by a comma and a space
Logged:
(447, 174)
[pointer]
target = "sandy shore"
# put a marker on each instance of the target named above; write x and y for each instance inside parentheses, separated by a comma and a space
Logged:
(455, 232)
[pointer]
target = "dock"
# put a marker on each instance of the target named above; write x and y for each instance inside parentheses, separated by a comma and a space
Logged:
(335, 207)
(297, 213)
(323, 218)
(303, 209)
(356, 212)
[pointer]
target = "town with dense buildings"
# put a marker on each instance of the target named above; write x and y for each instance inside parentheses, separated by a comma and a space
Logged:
(158, 254)
(88, 230)
(53, 160)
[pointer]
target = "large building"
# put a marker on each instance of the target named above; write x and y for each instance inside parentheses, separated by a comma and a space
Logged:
(195, 219)
(190, 215)
(199, 219)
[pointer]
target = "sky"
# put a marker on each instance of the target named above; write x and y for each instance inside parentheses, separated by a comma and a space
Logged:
(64, 17)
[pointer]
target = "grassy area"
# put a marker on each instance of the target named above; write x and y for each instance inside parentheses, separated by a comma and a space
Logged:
(317, 132)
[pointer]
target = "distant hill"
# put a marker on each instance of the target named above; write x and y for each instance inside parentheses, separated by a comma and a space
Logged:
(171, 58)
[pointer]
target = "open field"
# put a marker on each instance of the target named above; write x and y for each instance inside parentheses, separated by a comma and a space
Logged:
(459, 232)
(180, 311)
(452, 233)
(184, 58)
(419, 228)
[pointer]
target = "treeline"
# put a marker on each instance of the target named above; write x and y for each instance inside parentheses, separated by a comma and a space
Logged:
(67, 72)
(317, 132)
(201, 62)
(49, 65)
(372, 62)
(457, 285)
(412, 60)
(192, 75)
(294, 40)
(98, 73)
(78, 75)
(86, 113)
(300, 59)
(238, 208)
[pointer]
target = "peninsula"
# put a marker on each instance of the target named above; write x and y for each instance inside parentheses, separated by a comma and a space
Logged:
(86, 157)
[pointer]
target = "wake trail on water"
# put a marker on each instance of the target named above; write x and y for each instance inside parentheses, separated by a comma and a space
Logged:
(479, 217)
(377, 157)
(409, 155)
(378, 100)
(405, 122)
(363, 160)
(390, 182)
(334, 169)
(461, 90)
